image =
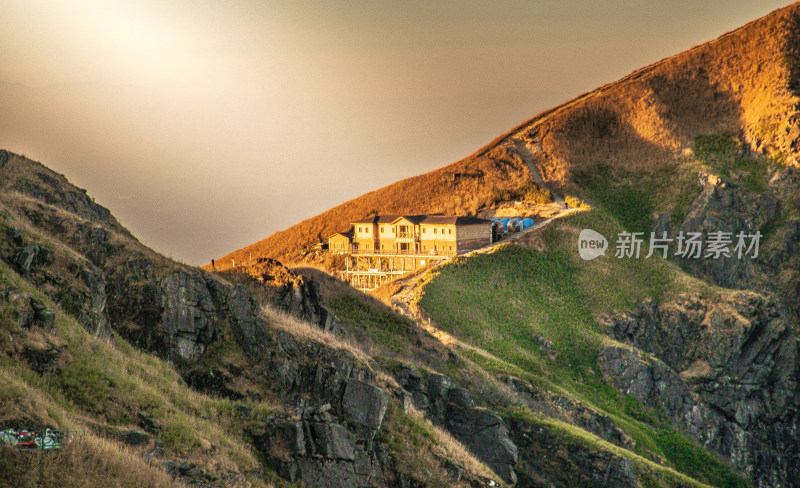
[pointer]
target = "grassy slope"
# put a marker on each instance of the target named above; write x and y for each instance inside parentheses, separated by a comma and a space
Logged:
(739, 84)
(519, 298)
(513, 301)
(101, 384)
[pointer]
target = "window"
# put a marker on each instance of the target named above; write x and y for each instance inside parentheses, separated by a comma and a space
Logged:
(434, 230)
(450, 231)
(382, 229)
(383, 247)
(424, 247)
(423, 230)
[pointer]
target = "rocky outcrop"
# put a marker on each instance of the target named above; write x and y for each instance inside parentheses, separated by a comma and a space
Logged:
(724, 369)
(76, 285)
(576, 465)
(332, 444)
(43, 358)
(482, 431)
(27, 311)
(321, 451)
(188, 316)
(291, 292)
(186, 310)
(723, 206)
(55, 190)
(364, 406)
(570, 410)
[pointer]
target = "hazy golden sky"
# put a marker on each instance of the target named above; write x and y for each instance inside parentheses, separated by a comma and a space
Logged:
(207, 125)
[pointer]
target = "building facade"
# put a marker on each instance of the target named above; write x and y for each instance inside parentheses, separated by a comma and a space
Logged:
(414, 234)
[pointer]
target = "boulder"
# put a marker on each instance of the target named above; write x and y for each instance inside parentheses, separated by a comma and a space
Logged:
(325, 473)
(332, 441)
(188, 316)
(148, 423)
(43, 358)
(135, 438)
(364, 405)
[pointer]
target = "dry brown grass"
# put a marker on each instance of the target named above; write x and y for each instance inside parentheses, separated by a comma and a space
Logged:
(92, 461)
(447, 447)
(740, 83)
(434, 192)
(302, 329)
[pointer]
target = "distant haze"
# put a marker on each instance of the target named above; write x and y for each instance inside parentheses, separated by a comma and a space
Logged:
(207, 125)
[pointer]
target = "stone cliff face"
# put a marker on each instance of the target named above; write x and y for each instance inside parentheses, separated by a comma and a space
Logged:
(340, 412)
(213, 331)
(481, 430)
(291, 292)
(726, 206)
(724, 369)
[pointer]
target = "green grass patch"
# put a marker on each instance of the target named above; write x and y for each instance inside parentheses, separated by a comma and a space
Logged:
(623, 194)
(383, 327)
(84, 384)
(723, 154)
(695, 461)
(508, 301)
(692, 475)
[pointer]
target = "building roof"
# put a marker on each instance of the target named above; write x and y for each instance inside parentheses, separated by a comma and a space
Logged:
(348, 234)
(451, 220)
(378, 219)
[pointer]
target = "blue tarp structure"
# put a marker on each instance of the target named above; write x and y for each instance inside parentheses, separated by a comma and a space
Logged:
(516, 224)
(527, 223)
(505, 223)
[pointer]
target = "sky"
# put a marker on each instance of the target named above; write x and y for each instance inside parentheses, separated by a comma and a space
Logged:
(206, 125)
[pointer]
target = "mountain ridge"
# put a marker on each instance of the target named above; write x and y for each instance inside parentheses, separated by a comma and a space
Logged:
(767, 40)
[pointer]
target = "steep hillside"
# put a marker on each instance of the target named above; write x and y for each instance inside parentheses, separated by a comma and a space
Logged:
(744, 83)
(170, 375)
(524, 366)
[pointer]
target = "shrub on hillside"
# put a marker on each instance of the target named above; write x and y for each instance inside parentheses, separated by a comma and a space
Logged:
(528, 192)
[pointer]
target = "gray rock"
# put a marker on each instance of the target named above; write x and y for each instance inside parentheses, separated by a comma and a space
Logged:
(365, 405)
(135, 438)
(333, 441)
(43, 359)
(325, 473)
(148, 423)
(189, 317)
(460, 397)
(27, 258)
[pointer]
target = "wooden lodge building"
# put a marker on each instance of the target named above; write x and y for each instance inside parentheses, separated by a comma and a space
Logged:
(382, 248)
(440, 235)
